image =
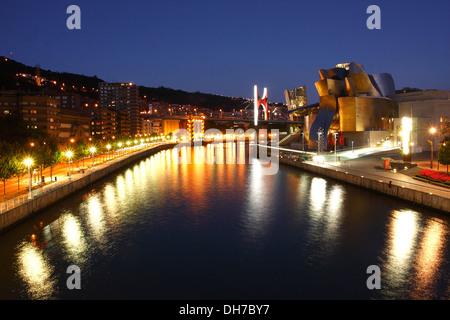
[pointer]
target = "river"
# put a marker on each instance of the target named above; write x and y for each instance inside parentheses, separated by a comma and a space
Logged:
(163, 230)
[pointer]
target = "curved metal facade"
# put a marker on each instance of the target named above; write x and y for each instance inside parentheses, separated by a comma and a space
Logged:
(351, 100)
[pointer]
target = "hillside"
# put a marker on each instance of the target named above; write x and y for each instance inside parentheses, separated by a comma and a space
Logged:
(15, 75)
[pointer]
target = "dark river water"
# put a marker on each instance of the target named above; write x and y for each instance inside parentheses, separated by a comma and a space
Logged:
(162, 230)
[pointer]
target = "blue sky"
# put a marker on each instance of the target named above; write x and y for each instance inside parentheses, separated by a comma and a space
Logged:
(225, 47)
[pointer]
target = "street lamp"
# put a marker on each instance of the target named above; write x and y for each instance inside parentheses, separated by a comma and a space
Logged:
(28, 162)
(120, 146)
(335, 146)
(303, 141)
(318, 142)
(69, 155)
(108, 147)
(432, 132)
(92, 150)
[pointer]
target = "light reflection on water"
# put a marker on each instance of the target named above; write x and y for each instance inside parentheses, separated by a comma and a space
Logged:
(35, 272)
(161, 229)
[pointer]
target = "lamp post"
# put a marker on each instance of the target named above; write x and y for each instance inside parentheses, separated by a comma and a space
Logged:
(335, 147)
(318, 142)
(108, 147)
(431, 162)
(28, 162)
(120, 147)
(303, 141)
(69, 155)
(92, 150)
(432, 132)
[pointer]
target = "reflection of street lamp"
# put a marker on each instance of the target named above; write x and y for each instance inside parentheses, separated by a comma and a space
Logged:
(69, 155)
(92, 150)
(28, 162)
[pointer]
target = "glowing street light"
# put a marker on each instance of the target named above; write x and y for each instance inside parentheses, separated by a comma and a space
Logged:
(93, 150)
(28, 162)
(108, 147)
(69, 155)
(432, 132)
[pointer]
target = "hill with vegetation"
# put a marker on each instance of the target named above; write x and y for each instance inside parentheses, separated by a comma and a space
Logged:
(15, 75)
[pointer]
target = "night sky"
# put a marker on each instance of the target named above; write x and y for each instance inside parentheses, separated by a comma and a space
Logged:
(225, 47)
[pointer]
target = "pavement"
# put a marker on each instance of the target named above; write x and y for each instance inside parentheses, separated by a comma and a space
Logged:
(368, 163)
(17, 189)
(372, 167)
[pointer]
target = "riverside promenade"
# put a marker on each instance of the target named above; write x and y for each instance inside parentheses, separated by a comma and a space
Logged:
(24, 207)
(367, 172)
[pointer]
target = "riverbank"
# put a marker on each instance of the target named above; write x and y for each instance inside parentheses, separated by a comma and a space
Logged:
(10, 218)
(416, 193)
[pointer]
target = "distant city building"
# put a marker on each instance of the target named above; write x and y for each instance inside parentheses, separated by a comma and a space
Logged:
(68, 100)
(103, 122)
(295, 99)
(74, 125)
(41, 112)
(38, 111)
(123, 123)
(123, 97)
(156, 126)
(428, 109)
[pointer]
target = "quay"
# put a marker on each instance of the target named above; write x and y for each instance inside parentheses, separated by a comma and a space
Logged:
(48, 197)
(362, 173)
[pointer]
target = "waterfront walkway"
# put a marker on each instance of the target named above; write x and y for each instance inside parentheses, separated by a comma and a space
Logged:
(16, 198)
(370, 166)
